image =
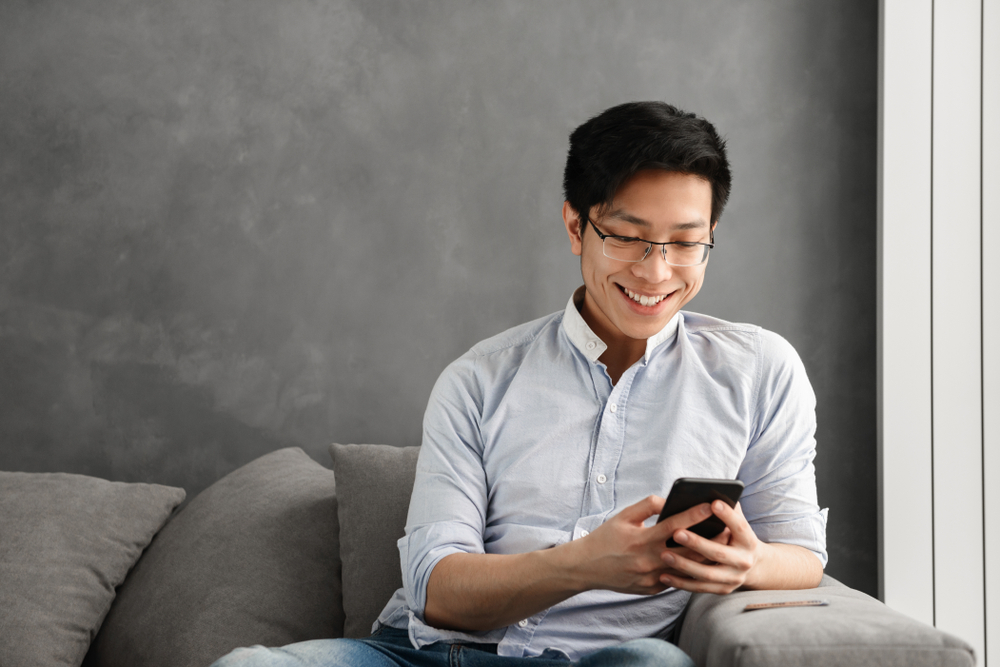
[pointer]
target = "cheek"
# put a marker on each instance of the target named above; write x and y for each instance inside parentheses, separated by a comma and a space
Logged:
(593, 266)
(694, 285)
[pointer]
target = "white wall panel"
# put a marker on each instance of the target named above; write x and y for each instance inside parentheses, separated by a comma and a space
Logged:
(956, 321)
(939, 315)
(905, 309)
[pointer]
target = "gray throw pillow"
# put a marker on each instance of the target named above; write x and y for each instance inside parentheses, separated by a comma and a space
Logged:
(253, 559)
(374, 483)
(854, 629)
(66, 542)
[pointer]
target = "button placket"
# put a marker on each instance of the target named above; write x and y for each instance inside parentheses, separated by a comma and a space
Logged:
(610, 434)
(610, 443)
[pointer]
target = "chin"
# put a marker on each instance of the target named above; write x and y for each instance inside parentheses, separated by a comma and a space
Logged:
(645, 330)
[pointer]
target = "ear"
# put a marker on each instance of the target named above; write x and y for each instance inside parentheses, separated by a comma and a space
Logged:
(573, 227)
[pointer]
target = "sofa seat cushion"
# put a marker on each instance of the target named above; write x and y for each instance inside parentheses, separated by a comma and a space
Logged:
(855, 629)
(66, 542)
(253, 559)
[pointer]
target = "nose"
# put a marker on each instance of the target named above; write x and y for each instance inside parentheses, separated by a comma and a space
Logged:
(653, 268)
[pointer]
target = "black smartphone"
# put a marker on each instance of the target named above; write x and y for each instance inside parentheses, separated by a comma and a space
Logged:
(690, 491)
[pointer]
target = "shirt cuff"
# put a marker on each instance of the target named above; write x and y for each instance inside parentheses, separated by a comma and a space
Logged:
(808, 532)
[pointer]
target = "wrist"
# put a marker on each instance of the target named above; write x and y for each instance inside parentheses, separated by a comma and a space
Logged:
(757, 576)
(567, 565)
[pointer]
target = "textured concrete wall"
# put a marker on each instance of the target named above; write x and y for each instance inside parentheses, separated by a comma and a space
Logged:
(228, 227)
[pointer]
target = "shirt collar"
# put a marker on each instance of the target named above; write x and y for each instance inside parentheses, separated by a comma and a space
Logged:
(579, 331)
(592, 347)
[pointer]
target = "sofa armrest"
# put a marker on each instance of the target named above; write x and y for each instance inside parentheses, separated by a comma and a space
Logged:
(855, 629)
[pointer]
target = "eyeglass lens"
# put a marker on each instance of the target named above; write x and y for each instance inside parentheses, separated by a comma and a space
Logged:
(636, 251)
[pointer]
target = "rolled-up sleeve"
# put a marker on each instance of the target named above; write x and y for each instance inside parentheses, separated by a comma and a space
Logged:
(780, 501)
(448, 507)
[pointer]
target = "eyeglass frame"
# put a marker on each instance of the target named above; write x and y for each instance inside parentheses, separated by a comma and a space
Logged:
(663, 246)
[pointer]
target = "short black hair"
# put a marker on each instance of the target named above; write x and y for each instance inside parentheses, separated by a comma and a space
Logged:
(613, 146)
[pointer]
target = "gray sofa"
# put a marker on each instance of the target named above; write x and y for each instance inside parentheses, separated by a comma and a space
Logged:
(283, 549)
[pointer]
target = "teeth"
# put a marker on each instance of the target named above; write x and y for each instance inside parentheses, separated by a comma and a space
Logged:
(645, 300)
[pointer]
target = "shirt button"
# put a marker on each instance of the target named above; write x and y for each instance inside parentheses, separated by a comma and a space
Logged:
(613, 408)
(591, 345)
(601, 479)
(523, 624)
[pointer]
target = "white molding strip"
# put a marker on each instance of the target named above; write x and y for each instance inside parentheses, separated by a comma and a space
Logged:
(956, 321)
(904, 292)
(991, 322)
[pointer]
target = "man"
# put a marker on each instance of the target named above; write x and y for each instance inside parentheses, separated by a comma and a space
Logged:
(531, 532)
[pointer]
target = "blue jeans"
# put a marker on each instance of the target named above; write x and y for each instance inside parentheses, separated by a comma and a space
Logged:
(389, 647)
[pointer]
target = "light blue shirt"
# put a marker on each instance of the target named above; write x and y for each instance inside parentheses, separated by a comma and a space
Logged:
(527, 445)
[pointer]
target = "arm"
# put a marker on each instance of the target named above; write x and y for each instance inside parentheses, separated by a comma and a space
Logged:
(780, 542)
(485, 591)
(739, 560)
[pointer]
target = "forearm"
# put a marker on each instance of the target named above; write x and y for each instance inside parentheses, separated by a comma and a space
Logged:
(477, 592)
(487, 591)
(785, 566)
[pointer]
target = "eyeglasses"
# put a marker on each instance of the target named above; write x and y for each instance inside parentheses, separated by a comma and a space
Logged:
(675, 253)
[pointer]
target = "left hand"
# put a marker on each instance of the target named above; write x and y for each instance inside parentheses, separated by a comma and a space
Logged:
(720, 565)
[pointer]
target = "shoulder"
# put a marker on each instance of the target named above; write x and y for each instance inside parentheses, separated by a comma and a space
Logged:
(744, 345)
(520, 336)
(496, 356)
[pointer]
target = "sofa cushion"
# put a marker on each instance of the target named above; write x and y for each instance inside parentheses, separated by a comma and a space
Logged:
(66, 542)
(854, 629)
(374, 483)
(253, 559)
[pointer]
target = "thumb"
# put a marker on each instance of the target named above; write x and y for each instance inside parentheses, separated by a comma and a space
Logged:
(642, 510)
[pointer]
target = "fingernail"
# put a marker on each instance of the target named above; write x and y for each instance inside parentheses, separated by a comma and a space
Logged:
(668, 559)
(681, 537)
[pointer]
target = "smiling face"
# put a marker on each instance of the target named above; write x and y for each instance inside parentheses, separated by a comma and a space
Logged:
(628, 302)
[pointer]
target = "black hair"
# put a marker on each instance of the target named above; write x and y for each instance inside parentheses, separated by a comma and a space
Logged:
(613, 146)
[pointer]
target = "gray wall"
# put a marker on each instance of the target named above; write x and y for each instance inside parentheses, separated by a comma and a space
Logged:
(229, 227)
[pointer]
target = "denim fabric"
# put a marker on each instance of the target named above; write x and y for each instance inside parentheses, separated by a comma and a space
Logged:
(527, 444)
(389, 647)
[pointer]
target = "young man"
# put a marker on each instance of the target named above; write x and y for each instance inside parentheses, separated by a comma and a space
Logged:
(531, 532)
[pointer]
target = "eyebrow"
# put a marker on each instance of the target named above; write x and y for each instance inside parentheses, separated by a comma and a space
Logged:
(639, 222)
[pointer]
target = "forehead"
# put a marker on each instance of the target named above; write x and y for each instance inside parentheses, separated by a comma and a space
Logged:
(659, 200)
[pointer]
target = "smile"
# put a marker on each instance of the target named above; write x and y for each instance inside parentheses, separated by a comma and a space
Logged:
(643, 299)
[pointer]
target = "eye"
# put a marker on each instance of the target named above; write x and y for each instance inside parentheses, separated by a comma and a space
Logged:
(624, 240)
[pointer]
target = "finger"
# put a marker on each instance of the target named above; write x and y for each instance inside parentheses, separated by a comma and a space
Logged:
(685, 519)
(735, 521)
(642, 510)
(724, 537)
(709, 550)
(696, 586)
(717, 573)
(685, 552)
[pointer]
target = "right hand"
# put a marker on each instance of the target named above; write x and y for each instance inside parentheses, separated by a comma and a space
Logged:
(624, 555)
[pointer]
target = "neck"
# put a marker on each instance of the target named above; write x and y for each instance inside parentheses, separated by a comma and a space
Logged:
(622, 351)
(620, 359)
